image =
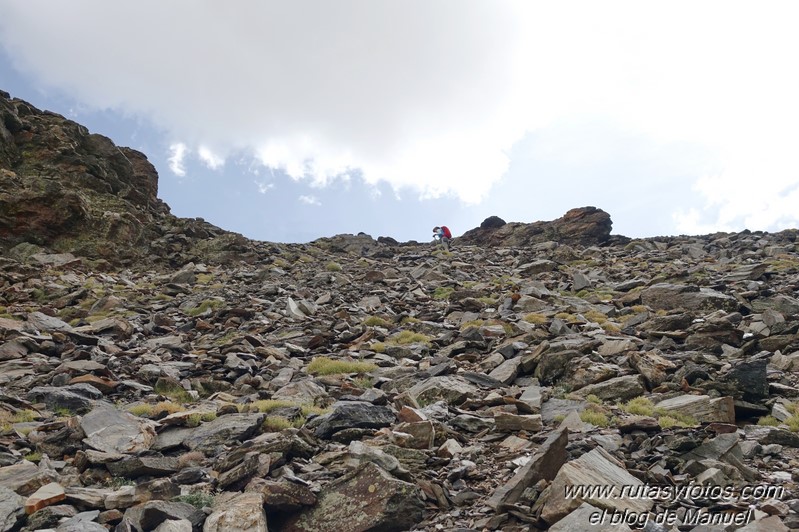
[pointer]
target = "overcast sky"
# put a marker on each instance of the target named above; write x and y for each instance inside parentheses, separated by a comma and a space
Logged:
(292, 120)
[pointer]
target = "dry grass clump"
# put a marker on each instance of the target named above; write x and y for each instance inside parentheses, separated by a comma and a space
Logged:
(190, 459)
(640, 406)
(408, 337)
(377, 321)
(535, 318)
(327, 366)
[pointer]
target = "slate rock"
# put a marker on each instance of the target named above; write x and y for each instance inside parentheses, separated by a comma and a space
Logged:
(365, 499)
(224, 430)
(237, 511)
(11, 509)
(77, 398)
(110, 430)
(149, 515)
(353, 414)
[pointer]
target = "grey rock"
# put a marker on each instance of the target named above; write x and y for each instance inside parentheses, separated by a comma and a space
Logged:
(224, 430)
(354, 414)
(365, 499)
(11, 509)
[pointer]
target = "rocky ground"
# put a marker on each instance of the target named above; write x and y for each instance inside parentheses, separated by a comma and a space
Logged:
(159, 373)
(403, 388)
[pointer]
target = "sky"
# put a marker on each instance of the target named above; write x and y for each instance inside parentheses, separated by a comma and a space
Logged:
(291, 121)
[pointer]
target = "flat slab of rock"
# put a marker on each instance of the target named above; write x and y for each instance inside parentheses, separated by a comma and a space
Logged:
(667, 296)
(43, 322)
(505, 422)
(77, 398)
(237, 511)
(23, 478)
(453, 390)
(224, 430)
(596, 468)
(113, 431)
(47, 495)
(365, 499)
(354, 414)
(615, 389)
(703, 408)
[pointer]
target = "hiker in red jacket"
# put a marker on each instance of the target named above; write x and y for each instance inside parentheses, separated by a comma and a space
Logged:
(443, 235)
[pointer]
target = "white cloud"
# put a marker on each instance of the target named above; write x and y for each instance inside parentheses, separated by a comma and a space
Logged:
(177, 157)
(209, 158)
(264, 187)
(310, 200)
(432, 94)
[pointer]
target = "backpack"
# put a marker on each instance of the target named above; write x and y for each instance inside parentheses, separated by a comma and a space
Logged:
(446, 230)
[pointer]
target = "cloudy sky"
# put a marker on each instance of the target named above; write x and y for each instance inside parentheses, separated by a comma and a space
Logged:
(289, 121)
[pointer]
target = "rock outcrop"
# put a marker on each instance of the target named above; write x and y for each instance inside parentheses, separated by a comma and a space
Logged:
(63, 188)
(585, 226)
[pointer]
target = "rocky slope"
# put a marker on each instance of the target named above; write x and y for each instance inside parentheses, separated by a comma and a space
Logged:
(353, 384)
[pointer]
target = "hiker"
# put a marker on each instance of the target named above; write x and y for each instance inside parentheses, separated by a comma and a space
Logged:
(443, 235)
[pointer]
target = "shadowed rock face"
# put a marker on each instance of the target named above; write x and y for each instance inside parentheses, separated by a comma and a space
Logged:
(585, 226)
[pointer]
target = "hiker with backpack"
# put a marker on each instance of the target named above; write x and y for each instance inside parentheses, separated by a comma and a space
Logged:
(442, 235)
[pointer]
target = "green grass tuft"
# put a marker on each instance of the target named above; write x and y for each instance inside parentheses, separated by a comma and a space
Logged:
(327, 366)
(377, 321)
(639, 406)
(443, 292)
(595, 418)
(408, 337)
(768, 421)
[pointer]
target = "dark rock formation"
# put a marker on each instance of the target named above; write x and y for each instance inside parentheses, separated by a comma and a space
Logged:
(585, 226)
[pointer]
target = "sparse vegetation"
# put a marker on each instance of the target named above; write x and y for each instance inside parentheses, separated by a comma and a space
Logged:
(640, 406)
(63, 412)
(34, 457)
(25, 416)
(443, 292)
(591, 398)
(408, 337)
(378, 347)
(535, 318)
(327, 366)
(668, 419)
(377, 321)
(333, 266)
(276, 424)
(595, 418)
(198, 499)
(768, 421)
(363, 382)
(208, 304)
(116, 483)
(204, 278)
(174, 391)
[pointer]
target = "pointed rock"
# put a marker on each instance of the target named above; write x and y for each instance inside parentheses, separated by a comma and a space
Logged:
(544, 464)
